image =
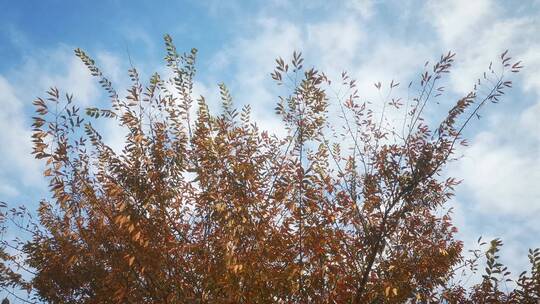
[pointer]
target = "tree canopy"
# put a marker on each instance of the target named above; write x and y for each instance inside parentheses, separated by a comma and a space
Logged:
(207, 208)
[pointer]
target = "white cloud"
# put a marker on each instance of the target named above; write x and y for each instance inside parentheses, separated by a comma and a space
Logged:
(530, 122)
(112, 67)
(502, 164)
(337, 42)
(15, 148)
(7, 190)
(251, 59)
(478, 31)
(456, 20)
(59, 68)
(363, 7)
(76, 80)
(502, 178)
(501, 168)
(531, 60)
(54, 67)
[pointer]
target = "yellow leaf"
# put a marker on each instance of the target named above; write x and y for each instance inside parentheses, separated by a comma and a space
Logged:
(72, 260)
(220, 207)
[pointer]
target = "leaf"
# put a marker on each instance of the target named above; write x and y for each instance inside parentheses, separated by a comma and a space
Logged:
(131, 260)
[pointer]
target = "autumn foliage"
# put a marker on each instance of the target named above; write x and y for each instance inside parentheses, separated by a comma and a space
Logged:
(207, 208)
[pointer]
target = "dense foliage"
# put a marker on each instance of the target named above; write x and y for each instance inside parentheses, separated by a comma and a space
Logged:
(206, 208)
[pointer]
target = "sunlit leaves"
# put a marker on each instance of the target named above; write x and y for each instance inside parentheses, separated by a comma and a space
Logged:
(209, 209)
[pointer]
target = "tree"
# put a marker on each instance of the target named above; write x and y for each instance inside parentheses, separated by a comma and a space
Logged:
(207, 208)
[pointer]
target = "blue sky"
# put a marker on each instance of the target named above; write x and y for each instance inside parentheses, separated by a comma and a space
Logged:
(238, 41)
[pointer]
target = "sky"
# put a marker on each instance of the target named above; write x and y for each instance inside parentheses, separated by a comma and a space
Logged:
(238, 41)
